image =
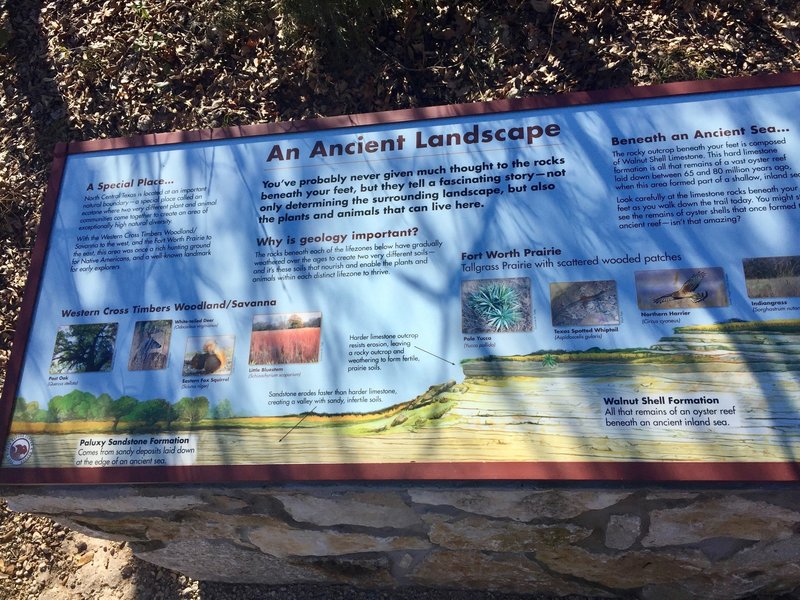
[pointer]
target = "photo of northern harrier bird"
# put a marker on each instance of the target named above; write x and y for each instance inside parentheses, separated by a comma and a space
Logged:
(661, 289)
(687, 290)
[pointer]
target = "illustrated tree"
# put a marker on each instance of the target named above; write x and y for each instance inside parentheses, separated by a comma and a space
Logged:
(100, 408)
(150, 412)
(84, 348)
(223, 410)
(295, 322)
(55, 410)
(28, 411)
(76, 405)
(170, 414)
(121, 407)
(36, 414)
(192, 409)
(20, 409)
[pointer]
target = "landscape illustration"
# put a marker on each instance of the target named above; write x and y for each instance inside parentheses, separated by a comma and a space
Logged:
(543, 406)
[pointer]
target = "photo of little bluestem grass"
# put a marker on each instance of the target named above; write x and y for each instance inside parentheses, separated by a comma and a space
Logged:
(496, 305)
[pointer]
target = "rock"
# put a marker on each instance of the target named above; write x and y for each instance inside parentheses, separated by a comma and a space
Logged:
(450, 569)
(218, 560)
(282, 541)
(366, 509)
(622, 531)
(478, 533)
(623, 571)
(521, 505)
(726, 516)
(57, 501)
(84, 559)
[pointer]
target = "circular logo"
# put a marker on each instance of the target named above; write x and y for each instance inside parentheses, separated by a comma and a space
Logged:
(20, 448)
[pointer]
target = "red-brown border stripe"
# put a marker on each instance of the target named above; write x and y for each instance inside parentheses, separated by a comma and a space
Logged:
(467, 471)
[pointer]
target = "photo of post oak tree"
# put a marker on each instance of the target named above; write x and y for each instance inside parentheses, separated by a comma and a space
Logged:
(285, 338)
(84, 411)
(84, 348)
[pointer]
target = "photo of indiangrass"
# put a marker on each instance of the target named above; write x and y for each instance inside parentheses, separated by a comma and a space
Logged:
(84, 348)
(772, 276)
(150, 345)
(208, 355)
(285, 338)
(584, 303)
(496, 305)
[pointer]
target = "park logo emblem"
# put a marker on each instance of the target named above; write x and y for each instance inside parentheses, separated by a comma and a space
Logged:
(19, 449)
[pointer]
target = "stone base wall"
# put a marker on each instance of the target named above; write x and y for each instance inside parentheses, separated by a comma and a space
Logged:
(651, 543)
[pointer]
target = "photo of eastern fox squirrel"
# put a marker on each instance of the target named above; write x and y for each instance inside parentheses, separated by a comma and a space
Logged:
(210, 360)
(213, 356)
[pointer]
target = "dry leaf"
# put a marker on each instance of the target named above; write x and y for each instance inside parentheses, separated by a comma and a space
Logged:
(84, 559)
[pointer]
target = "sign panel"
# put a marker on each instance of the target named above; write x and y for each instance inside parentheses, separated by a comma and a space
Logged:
(581, 287)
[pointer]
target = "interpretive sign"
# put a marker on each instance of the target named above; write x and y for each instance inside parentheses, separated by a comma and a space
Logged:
(588, 286)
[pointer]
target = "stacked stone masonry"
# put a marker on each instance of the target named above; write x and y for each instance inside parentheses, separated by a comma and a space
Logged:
(653, 543)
